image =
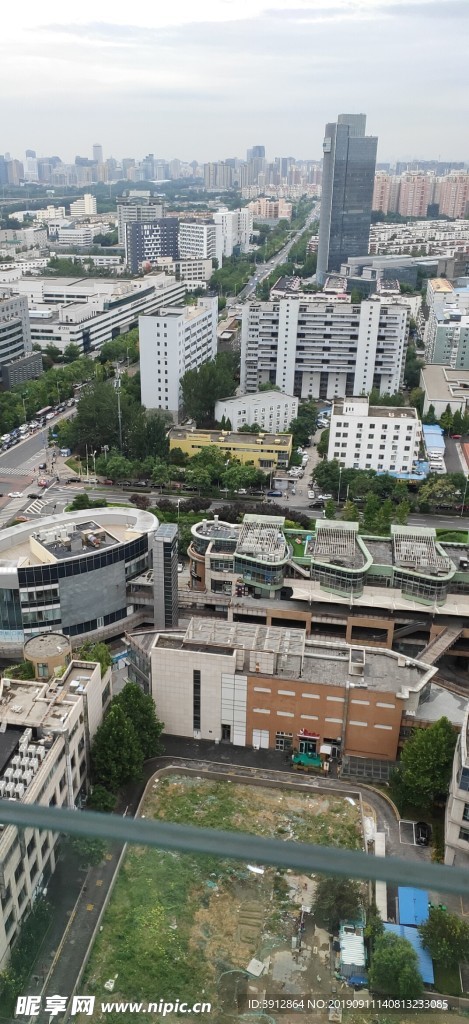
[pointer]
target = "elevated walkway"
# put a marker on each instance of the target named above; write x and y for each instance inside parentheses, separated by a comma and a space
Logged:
(440, 644)
(300, 569)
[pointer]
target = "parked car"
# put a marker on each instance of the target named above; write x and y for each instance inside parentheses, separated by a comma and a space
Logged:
(311, 494)
(423, 833)
(274, 494)
(324, 497)
(242, 490)
(180, 567)
(109, 482)
(15, 494)
(316, 504)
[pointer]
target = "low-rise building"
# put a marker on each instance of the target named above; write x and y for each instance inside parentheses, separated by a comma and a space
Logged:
(272, 687)
(85, 206)
(444, 386)
(264, 451)
(271, 410)
(46, 730)
(273, 210)
(381, 438)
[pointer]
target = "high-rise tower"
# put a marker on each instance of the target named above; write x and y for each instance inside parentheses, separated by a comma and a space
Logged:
(347, 192)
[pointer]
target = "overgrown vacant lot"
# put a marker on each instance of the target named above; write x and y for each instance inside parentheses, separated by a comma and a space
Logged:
(177, 922)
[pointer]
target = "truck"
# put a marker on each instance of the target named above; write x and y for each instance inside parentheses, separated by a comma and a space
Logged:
(303, 762)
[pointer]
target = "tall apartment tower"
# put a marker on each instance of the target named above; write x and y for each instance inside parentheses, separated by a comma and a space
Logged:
(347, 192)
(98, 153)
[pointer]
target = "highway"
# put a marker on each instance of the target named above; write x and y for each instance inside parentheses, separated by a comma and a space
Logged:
(262, 270)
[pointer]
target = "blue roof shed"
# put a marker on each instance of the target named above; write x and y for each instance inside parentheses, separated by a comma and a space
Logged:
(413, 905)
(424, 958)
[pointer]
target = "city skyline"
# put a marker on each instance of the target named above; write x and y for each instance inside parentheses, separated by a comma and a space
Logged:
(209, 78)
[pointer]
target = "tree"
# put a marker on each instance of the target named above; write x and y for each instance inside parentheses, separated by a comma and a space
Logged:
(160, 473)
(80, 502)
(116, 755)
(96, 652)
(90, 852)
(438, 491)
(423, 773)
(371, 512)
(71, 353)
(336, 899)
(374, 924)
(140, 710)
(430, 415)
(329, 509)
(413, 368)
(268, 386)
(394, 968)
(458, 423)
(401, 513)
(117, 466)
(201, 388)
(446, 420)
(198, 477)
(384, 517)
(96, 420)
(350, 512)
(446, 936)
(323, 443)
(101, 800)
(416, 399)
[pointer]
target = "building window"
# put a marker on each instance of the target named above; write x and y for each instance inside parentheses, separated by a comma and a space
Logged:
(464, 834)
(465, 813)
(43, 670)
(283, 740)
(196, 699)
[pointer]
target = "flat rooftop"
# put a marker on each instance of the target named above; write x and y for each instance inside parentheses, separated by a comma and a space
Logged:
(440, 284)
(330, 665)
(43, 705)
(229, 437)
(261, 537)
(47, 645)
(445, 385)
(215, 529)
(245, 636)
(258, 396)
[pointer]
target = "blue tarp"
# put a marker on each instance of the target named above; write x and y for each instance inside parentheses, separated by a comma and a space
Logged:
(413, 905)
(424, 958)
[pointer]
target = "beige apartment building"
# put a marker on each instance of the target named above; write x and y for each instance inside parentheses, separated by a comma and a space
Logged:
(45, 734)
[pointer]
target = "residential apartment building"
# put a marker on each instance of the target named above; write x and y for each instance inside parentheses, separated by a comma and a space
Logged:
(270, 209)
(349, 160)
(200, 240)
(46, 729)
(84, 207)
(313, 347)
(271, 410)
(457, 807)
(148, 242)
(236, 229)
(87, 312)
(21, 369)
(445, 333)
(264, 451)
(271, 687)
(15, 331)
(454, 195)
(195, 273)
(380, 438)
(136, 207)
(415, 194)
(172, 340)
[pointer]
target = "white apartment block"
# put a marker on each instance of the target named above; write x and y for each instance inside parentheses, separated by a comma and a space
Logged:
(200, 241)
(236, 229)
(445, 333)
(76, 236)
(45, 735)
(316, 348)
(382, 438)
(87, 312)
(173, 340)
(188, 270)
(50, 213)
(454, 195)
(84, 207)
(457, 807)
(271, 410)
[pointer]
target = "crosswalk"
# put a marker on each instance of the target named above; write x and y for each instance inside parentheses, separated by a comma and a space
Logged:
(35, 508)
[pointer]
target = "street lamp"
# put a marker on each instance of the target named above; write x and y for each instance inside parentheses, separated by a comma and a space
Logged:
(178, 504)
(105, 449)
(340, 478)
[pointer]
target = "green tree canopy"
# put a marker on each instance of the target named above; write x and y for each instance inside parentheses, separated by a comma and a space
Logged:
(394, 968)
(95, 652)
(446, 936)
(140, 709)
(336, 899)
(329, 509)
(425, 767)
(201, 388)
(116, 754)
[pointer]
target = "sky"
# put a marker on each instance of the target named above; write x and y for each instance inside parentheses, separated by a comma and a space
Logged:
(206, 79)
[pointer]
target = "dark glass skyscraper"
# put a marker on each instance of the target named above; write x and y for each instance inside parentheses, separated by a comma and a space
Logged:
(347, 192)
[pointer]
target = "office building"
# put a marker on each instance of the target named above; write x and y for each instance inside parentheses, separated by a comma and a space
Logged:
(347, 191)
(271, 687)
(139, 206)
(72, 572)
(264, 451)
(236, 229)
(380, 438)
(78, 236)
(15, 172)
(271, 410)
(98, 153)
(84, 207)
(88, 312)
(313, 347)
(148, 242)
(200, 240)
(172, 340)
(15, 332)
(21, 369)
(46, 729)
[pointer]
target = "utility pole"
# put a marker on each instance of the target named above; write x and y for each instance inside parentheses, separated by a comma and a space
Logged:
(119, 410)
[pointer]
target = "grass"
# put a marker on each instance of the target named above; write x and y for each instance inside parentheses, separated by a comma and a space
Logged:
(447, 980)
(174, 922)
(73, 465)
(452, 536)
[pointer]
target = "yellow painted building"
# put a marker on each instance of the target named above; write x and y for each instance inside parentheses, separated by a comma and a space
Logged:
(264, 451)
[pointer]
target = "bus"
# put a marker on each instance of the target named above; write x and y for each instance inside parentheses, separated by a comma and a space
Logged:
(44, 412)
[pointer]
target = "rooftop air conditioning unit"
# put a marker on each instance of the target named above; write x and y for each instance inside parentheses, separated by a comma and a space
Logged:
(17, 774)
(15, 761)
(34, 764)
(9, 774)
(41, 752)
(9, 789)
(2, 787)
(27, 778)
(19, 791)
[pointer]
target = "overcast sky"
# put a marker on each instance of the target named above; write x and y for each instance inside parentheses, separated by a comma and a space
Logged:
(205, 79)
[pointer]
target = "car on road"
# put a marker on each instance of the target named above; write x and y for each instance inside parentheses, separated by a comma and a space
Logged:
(274, 494)
(423, 833)
(33, 496)
(15, 494)
(324, 497)
(242, 490)
(311, 494)
(42, 466)
(180, 567)
(316, 504)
